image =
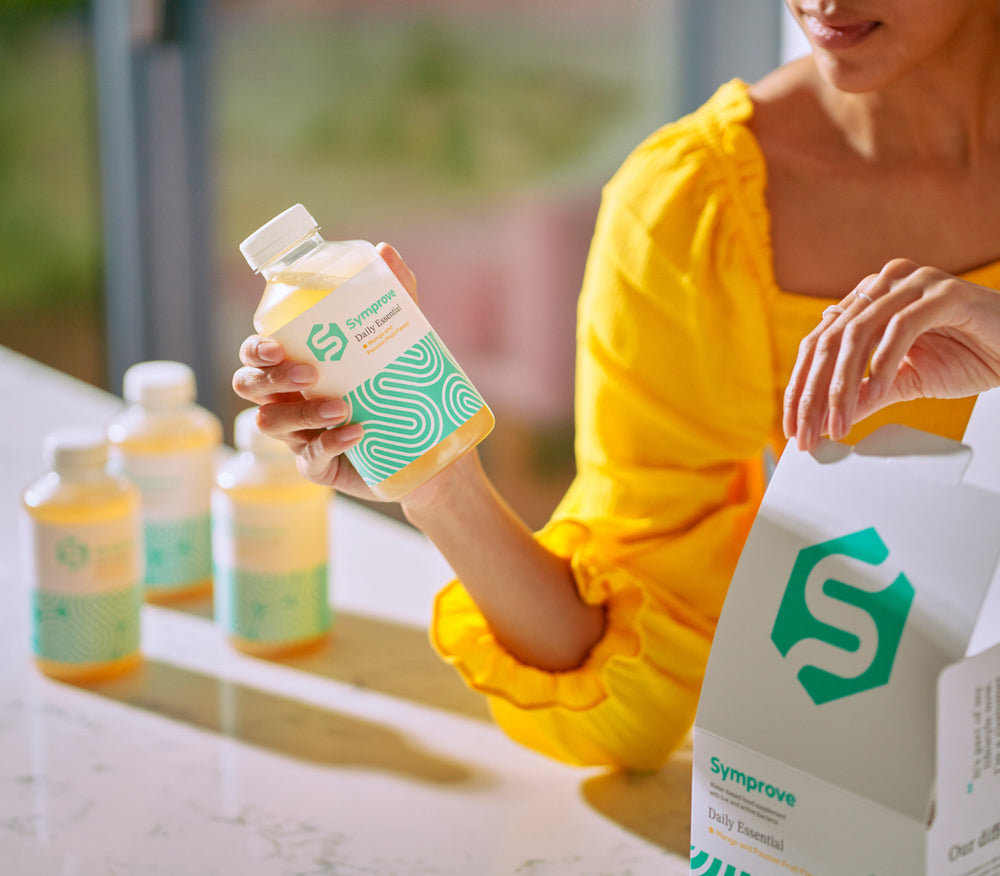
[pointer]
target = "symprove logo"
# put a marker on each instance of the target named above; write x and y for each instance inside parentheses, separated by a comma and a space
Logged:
(72, 553)
(327, 342)
(888, 608)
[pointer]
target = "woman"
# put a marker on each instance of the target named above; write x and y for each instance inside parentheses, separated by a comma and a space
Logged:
(720, 244)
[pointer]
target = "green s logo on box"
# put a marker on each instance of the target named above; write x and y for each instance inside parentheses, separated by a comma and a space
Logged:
(888, 608)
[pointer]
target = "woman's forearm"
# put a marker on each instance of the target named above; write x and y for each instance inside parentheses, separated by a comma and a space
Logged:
(526, 593)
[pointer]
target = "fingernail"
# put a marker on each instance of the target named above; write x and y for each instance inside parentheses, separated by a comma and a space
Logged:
(804, 434)
(837, 430)
(302, 374)
(269, 351)
(335, 409)
(350, 434)
(788, 424)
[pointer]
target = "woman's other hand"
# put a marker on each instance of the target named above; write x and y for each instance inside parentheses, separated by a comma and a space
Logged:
(925, 333)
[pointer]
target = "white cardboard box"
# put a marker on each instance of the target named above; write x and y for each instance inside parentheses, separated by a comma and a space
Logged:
(842, 730)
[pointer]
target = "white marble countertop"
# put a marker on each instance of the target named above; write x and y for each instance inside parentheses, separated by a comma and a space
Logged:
(367, 757)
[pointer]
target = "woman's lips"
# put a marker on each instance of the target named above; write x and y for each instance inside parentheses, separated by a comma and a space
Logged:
(837, 37)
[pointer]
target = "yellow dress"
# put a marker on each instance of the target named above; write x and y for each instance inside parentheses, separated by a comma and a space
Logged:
(684, 347)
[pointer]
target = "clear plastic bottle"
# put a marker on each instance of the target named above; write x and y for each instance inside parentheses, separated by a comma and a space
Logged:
(270, 548)
(84, 561)
(372, 346)
(167, 445)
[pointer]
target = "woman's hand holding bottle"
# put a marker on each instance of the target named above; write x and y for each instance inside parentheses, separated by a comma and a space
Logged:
(316, 429)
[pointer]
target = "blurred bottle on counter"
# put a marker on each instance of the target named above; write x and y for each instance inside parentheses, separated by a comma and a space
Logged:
(83, 553)
(167, 445)
(337, 305)
(270, 547)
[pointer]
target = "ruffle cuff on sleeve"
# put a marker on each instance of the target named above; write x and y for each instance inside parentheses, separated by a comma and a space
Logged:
(461, 635)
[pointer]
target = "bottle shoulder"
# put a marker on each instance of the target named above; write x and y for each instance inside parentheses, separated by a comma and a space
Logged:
(301, 283)
(187, 427)
(247, 476)
(320, 270)
(337, 258)
(56, 497)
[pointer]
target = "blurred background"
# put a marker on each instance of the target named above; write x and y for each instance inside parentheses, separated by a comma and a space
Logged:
(142, 140)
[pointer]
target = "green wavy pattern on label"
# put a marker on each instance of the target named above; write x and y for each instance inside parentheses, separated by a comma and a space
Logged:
(704, 864)
(419, 399)
(178, 552)
(273, 607)
(85, 627)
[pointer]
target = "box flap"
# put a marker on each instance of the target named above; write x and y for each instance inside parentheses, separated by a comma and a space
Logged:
(983, 435)
(968, 733)
(965, 835)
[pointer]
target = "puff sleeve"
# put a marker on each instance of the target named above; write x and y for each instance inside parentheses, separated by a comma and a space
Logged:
(675, 404)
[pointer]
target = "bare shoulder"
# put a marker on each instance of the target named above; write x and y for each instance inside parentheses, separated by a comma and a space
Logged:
(788, 110)
(786, 82)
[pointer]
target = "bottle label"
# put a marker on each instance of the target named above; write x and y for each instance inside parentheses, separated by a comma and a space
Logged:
(271, 568)
(415, 402)
(271, 606)
(86, 596)
(86, 627)
(178, 552)
(373, 347)
(175, 489)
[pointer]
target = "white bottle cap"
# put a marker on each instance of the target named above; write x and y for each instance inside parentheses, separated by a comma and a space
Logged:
(249, 438)
(76, 448)
(159, 384)
(278, 235)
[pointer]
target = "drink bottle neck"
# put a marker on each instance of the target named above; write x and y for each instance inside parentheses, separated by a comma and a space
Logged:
(291, 255)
